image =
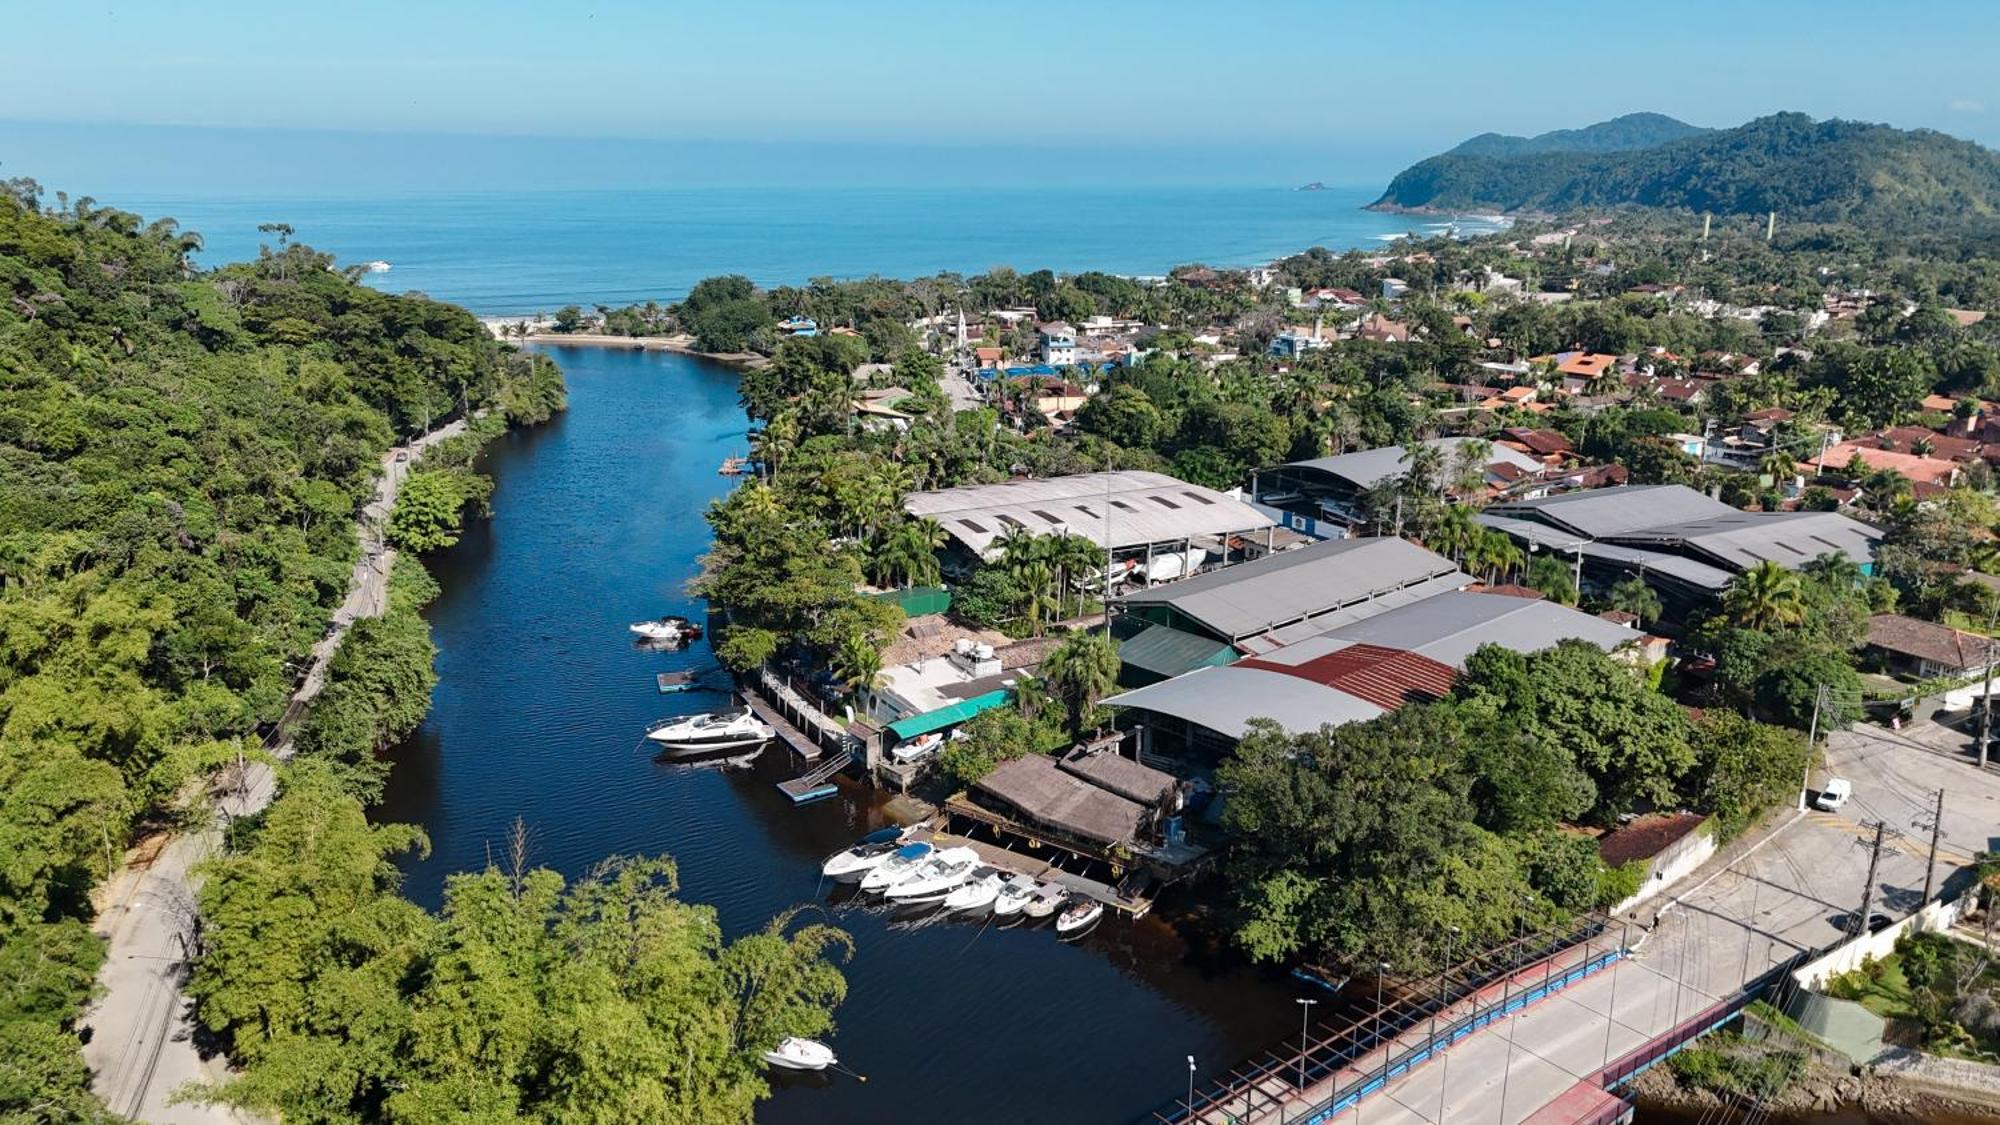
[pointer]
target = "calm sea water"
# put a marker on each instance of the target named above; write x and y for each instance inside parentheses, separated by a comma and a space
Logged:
(503, 253)
(541, 701)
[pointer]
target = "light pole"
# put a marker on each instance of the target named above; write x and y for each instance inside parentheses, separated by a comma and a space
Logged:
(1190, 1101)
(1444, 1064)
(1305, 1037)
(1381, 968)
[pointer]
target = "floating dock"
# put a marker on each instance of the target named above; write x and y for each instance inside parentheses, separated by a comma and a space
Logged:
(734, 466)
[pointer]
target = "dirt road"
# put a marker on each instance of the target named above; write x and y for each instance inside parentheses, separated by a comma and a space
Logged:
(140, 1048)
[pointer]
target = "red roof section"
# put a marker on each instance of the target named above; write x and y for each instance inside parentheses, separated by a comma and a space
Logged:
(1386, 677)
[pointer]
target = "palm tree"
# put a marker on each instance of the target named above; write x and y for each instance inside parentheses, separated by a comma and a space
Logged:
(1778, 465)
(1835, 570)
(1632, 595)
(1425, 472)
(1551, 576)
(1468, 465)
(1765, 595)
(1493, 554)
(857, 663)
(1923, 447)
(775, 442)
(1454, 532)
(1081, 671)
(1074, 556)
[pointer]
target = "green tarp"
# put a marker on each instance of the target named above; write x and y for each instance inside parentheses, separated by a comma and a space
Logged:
(917, 725)
(1169, 652)
(918, 600)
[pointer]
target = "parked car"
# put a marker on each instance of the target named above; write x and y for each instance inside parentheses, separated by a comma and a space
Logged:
(1835, 795)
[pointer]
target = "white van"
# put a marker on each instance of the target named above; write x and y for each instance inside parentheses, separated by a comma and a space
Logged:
(1835, 794)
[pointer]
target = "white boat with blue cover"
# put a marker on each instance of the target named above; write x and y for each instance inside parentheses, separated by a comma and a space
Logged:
(866, 853)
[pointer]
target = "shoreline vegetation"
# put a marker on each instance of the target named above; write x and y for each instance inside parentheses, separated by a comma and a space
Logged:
(186, 453)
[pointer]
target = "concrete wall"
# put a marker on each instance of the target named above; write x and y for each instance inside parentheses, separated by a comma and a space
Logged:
(1935, 916)
(1670, 866)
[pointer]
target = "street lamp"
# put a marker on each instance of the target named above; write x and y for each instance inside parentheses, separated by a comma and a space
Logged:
(1381, 967)
(1444, 1064)
(1305, 1037)
(1190, 1101)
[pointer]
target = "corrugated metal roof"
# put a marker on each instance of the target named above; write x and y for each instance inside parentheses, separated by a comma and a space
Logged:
(1169, 652)
(1121, 509)
(943, 717)
(1528, 531)
(1225, 700)
(1741, 540)
(1450, 627)
(1385, 677)
(1691, 571)
(1604, 512)
(1359, 611)
(1369, 467)
(1253, 597)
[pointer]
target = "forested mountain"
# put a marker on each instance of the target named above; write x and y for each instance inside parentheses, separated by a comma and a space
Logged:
(1620, 134)
(1824, 171)
(183, 454)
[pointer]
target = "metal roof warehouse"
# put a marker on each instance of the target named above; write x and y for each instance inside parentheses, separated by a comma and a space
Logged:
(1116, 510)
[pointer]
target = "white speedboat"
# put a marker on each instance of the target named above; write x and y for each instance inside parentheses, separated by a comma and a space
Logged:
(938, 877)
(379, 265)
(901, 865)
(717, 730)
(672, 629)
(1080, 916)
(793, 1053)
(918, 747)
(1015, 894)
(1049, 897)
(867, 852)
(979, 890)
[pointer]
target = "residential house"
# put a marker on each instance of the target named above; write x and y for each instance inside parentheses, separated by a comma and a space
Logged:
(1925, 649)
(1058, 344)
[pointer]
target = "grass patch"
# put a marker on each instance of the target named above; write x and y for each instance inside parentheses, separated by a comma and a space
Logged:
(1729, 1065)
(1879, 985)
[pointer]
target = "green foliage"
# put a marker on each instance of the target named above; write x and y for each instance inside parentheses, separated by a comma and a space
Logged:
(1828, 171)
(182, 456)
(606, 999)
(996, 736)
(430, 506)
(724, 314)
(1734, 1067)
(1745, 767)
(378, 687)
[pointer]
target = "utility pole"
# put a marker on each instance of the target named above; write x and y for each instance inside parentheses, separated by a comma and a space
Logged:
(1860, 922)
(1986, 708)
(1936, 826)
(1812, 742)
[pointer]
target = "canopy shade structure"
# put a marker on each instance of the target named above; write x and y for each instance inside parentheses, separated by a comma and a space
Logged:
(916, 726)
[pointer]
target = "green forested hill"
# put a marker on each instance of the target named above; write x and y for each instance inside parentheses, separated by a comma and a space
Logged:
(1825, 171)
(1620, 134)
(182, 456)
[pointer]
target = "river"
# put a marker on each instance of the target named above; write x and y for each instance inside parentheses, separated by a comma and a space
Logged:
(597, 521)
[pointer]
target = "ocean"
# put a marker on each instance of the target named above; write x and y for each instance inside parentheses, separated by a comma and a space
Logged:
(504, 253)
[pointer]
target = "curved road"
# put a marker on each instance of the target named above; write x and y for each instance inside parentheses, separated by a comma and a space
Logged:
(140, 1047)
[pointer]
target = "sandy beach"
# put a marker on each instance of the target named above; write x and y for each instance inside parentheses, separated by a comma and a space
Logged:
(502, 329)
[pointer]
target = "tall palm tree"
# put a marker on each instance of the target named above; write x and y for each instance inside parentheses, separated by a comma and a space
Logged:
(1082, 671)
(1632, 595)
(1454, 532)
(1763, 596)
(857, 663)
(1835, 570)
(1468, 465)
(1493, 554)
(1778, 465)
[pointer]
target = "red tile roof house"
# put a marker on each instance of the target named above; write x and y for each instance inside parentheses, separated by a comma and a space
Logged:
(1670, 845)
(1925, 649)
(1917, 470)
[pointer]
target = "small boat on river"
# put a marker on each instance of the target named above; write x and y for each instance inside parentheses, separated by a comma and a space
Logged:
(1015, 894)
(936, 879)
(713, 731)
(793, 1053)
(1049, 898)
(672, 629)
(867, 853)
(898, 866)
(978, 891)
(1080, 916)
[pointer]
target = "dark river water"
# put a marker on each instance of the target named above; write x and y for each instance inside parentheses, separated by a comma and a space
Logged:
(597, 521)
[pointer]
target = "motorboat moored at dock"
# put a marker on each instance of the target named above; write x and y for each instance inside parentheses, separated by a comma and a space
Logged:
(710, 731)
(1016, 893)
(936, 879)
(1079, 917)
(901, 865)
(870, 851)
(1049, 897)
(980, 890)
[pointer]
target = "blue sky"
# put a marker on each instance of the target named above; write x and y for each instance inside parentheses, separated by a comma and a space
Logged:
(1177, 91)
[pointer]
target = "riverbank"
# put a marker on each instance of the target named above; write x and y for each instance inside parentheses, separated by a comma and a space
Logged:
(1821, 1090)
(681, 344)
(142, 1043)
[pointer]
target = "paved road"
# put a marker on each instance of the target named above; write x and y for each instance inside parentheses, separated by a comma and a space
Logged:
(140, 1048)
(1725, 926)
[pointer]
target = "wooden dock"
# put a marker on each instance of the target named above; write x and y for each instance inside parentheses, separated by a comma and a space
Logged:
(993, 855)
(800, 743)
